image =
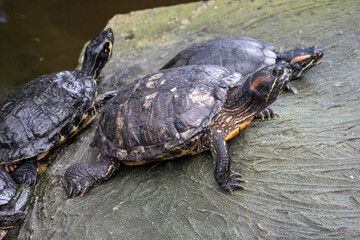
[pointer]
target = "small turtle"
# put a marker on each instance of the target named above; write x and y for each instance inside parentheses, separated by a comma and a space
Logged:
(8, 216)
(46, 111)
(246, 55)
(177, 112)
(50, 109)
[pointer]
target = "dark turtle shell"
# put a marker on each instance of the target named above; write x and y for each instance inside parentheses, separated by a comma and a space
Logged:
(244, 55)
(43, 113)
(8, 217)
(162, 111)
(7, 188)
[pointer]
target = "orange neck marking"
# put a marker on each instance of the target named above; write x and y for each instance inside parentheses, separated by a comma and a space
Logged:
(258, 81)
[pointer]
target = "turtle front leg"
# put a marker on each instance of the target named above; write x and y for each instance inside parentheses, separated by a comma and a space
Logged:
(102, 99)
(81, 176)
(26, 171)
(225, 177)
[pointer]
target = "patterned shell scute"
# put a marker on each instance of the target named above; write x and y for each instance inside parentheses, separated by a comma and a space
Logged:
(244, 55)
(32, 117)
(161, 111)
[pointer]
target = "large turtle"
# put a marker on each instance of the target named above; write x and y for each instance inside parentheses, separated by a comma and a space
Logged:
(48, 110)
(177, 112)
(246, 55)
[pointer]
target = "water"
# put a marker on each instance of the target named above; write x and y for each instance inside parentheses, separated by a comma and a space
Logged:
(39, 37)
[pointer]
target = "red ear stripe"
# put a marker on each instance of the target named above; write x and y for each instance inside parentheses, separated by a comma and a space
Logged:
(258, 81)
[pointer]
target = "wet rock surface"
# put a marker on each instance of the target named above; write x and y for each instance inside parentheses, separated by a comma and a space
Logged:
(303, 169)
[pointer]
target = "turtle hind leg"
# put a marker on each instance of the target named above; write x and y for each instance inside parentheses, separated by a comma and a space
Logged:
(26, 171)
(225, 177)
(81, 176)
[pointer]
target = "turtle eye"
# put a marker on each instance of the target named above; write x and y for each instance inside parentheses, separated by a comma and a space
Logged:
(278, 71)
(106, 48)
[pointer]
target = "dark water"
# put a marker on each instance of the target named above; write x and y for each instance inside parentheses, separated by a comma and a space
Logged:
(42, 36)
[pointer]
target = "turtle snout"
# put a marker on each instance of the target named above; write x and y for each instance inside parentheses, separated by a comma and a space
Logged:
(318, 54)
(317, 51)
(109, 34)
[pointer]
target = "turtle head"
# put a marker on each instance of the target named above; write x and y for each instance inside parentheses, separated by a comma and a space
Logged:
(266, 84)
(97, 53)
(302, 59)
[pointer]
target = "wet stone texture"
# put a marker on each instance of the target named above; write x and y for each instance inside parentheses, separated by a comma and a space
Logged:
(303, 169)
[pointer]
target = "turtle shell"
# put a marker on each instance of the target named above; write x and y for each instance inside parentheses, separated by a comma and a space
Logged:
(244, 55)
(8, 216)
(42, 113)
(7, 188)
(162, 111)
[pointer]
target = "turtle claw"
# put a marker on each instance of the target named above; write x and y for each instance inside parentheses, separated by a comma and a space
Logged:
(238, 175)
(73, 191)
(85, 188)
(29, 178)
(77, 182)
(268, 113)
(234, 182)
(76, 191)
(292, 88)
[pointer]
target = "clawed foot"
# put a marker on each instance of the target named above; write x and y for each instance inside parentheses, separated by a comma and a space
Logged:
(81, 176)
(25, 175)
(76, 181)
(268, 113)
(233, 182)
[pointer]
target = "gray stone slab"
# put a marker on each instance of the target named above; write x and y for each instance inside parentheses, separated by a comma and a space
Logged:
(303, 169)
